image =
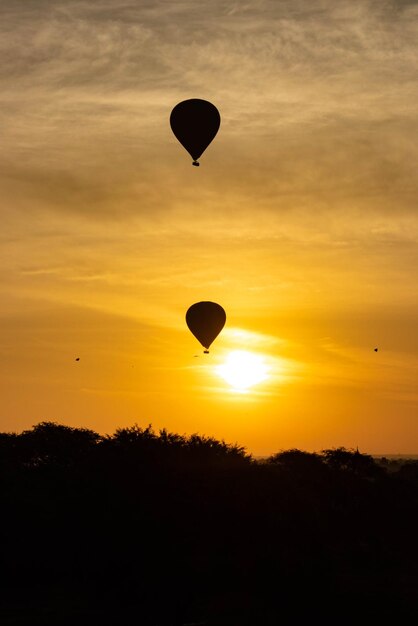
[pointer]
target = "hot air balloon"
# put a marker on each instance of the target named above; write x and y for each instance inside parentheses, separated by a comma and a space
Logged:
(205, 320)
(195, 123)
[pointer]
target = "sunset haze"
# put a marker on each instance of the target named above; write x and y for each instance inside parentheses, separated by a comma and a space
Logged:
(301, 220)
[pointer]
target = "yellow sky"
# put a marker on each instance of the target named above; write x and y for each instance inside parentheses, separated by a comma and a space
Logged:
(301, 221)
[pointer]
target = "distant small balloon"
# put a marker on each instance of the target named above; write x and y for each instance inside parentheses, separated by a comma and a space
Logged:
(195, 123)
(205, 320)
(78, 358)
(376, 349)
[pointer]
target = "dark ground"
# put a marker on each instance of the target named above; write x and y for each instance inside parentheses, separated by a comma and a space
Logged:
(163, 530)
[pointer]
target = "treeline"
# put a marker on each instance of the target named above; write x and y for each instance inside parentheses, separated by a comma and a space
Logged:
(159, 529)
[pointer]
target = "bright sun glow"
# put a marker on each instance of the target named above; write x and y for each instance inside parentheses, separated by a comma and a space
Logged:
(243, 370)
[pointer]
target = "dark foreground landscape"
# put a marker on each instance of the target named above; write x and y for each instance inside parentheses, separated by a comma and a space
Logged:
(165, 530)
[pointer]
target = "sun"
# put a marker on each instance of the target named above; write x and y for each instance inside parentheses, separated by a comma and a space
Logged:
(243, 370)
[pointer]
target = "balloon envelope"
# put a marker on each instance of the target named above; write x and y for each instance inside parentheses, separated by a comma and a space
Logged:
(205, 320)
(195, 123)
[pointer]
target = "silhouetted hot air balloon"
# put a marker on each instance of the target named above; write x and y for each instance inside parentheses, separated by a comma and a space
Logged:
(205, 320)
(195, 123)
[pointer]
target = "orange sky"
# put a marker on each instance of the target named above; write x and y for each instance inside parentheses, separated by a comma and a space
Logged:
(301, 221)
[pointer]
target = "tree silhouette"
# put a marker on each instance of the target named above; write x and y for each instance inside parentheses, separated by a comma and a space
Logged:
(160, 528)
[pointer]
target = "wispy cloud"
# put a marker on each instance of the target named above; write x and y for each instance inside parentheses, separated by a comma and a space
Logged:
(307, 89)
